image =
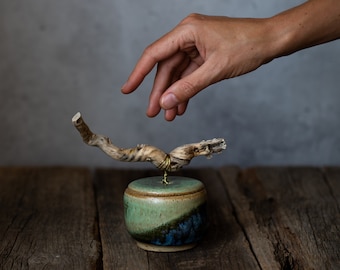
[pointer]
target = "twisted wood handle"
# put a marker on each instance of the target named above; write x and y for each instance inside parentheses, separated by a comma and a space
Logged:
(173, 161)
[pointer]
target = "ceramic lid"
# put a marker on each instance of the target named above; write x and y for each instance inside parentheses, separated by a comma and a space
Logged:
(178, 185)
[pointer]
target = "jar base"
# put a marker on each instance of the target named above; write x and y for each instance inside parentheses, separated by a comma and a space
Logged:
(156, 248)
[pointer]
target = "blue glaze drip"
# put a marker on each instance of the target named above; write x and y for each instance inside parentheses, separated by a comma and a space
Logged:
(186, 230)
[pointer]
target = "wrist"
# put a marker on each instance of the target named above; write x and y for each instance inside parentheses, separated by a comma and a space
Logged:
(312, 23)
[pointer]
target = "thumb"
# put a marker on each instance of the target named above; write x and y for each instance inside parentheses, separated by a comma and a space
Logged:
(187, 87)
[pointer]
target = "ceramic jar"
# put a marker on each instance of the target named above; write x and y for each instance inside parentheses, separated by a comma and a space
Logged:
(166, 217)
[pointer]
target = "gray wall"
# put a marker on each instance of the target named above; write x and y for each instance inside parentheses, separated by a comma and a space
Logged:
(61, 57)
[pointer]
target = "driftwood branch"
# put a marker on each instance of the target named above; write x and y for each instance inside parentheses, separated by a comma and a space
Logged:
(173, 161)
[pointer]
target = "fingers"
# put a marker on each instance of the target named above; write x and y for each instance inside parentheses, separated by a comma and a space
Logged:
(180, 74)
(142, 68)
(158, 51)
(177, 80)
(171, 114)
(175, 99)
(188, 86)
(168, 71)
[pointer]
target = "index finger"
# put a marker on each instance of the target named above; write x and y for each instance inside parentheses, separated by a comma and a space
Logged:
(160, 50)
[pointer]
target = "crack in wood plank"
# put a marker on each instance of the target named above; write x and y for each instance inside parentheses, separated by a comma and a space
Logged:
(274, 206)
(234, 213)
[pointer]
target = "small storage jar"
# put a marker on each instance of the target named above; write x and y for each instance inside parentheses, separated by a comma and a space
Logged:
(166, 217)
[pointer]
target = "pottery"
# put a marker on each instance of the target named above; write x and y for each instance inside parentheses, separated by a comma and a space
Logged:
(166, 217)
(162, 214)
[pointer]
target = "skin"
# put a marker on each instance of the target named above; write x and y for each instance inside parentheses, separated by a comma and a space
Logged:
(202, 50)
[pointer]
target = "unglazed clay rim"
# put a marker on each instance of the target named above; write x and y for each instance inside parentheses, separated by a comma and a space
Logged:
(156, 248)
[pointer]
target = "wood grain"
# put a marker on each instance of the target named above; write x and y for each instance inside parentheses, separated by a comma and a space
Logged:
(289, 215)
(47, 219)
(260, 218)
(119, 251)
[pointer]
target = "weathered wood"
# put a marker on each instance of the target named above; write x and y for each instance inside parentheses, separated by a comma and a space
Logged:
(224, 247)
(175, 160)
(47, 219)
(290, 216)
(332, 179)
(261, 218)
(119, 250)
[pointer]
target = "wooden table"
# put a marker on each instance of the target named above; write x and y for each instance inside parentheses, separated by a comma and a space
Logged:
(261, 218)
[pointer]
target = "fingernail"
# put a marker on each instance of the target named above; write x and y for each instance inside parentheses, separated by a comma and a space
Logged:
(169, 101)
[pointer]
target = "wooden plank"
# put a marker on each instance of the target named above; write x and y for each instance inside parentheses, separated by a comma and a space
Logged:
(225, 246)
(332, 179)
(289, 215)
(47, 219)
(119, 250)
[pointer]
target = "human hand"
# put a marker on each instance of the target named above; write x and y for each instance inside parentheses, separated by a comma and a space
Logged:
(203, 50)
(198, 52)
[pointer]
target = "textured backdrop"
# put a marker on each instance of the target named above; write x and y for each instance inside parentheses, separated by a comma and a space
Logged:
(61, 57)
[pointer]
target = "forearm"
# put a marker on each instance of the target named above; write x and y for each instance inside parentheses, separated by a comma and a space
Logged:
(312, 23)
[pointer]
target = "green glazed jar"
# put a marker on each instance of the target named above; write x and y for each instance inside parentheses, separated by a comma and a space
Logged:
(166, 217)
